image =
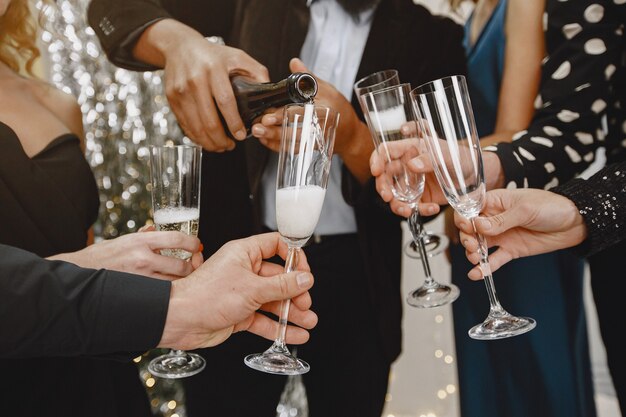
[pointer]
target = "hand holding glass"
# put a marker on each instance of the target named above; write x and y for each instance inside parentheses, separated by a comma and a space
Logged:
(433, 243)
(447, 121)
(307, 140)
(175, 175)
(391, 118)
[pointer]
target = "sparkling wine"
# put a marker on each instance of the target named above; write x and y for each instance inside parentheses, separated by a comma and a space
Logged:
(298, 210)
(177, 219)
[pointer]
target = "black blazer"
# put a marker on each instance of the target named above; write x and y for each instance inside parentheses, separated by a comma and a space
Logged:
(404, 36)
(53, 308)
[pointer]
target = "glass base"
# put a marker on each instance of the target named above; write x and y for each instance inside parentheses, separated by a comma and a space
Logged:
(434, 243)
(277, 361)
(176, 364)
(433, 296)
(501, 327)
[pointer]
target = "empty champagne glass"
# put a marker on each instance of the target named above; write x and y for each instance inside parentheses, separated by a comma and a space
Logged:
(175, 177)
(306, 150)
(391, 118)
(433, 243)
(447, 122)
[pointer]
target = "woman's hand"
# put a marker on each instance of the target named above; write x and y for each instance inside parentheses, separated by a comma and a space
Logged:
(139, 253)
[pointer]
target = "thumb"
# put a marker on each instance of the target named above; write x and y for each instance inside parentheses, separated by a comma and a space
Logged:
(296, 65)
(284, 286)
(497, 224)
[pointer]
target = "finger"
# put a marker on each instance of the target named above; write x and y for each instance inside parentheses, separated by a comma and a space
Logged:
(264, 326)
(283, 286)
(170, 266)
(225, 99)
(429, 209)
(172, 240)
(197, 260)
(303, 318)
(212, 130)
(303, 301)
(376, 164)
(383, 187)
(296, 65)
(420, 164)
(265, 244)
(463, 224)
(147, 228)
(400, 208)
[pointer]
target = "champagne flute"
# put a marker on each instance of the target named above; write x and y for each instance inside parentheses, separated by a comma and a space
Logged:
(391, 118)
(175, 175)
(447, 121)
(307, 140)
(433, 243)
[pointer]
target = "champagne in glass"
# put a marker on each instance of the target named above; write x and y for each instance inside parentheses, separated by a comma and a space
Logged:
(307, 139)
(447, 122)
(175, 175)
(393, 125)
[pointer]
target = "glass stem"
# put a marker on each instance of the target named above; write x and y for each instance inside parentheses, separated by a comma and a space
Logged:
(177, 352)
(290, 265)
(417, 231)
(495, 309)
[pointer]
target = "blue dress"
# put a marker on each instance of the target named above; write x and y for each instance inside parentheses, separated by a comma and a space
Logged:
(547, 371)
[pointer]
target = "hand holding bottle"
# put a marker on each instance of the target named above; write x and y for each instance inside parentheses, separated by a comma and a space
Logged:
(352, 144)
(197, 81)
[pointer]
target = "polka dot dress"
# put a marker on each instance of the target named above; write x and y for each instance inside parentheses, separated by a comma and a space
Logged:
(581, 103)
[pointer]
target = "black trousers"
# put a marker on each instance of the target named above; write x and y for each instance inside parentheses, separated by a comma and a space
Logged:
(607, 271)
(349, 371)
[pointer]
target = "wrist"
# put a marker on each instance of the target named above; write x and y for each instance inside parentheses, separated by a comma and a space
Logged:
(494, 174)
(173, 330)
(162, 40)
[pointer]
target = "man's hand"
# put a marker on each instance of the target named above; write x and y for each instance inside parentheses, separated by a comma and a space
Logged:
(197, 80)
(522, 222)
(353, 142)
(224, 295)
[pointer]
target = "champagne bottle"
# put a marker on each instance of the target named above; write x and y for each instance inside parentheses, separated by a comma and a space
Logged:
(255, 98)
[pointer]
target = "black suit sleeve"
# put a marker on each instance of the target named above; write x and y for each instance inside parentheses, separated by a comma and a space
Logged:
(53, 308)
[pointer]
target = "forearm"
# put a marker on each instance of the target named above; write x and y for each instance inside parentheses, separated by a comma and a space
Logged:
(57, 309)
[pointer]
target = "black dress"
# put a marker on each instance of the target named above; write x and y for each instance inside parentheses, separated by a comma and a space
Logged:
(47, 204)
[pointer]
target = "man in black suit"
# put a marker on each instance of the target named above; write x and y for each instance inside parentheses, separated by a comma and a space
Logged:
(356, 248)
(55, 308)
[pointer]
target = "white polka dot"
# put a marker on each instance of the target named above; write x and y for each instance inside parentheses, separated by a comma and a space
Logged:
(598, 106)
(519, 134)
(571, 29)
(553, 183)
(624, 127)
(567, 116)
(542, 141)
(544, 21)
(589, 157)
(490, 148)
(518, 158)
(511, 185)
(584, 138)
(582, 87)
(538, 101)
(552, 131)
(525, 182)
(595, 46)
(619, 31)
(619, 1)
(624, 143)
(609, 71)
(549, 166)
(526, 154)
(562, 71)
(573, 155)
(594, 13)
(600, 134)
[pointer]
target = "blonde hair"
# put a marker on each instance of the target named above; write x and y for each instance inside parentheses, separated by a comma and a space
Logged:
(18, 37)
